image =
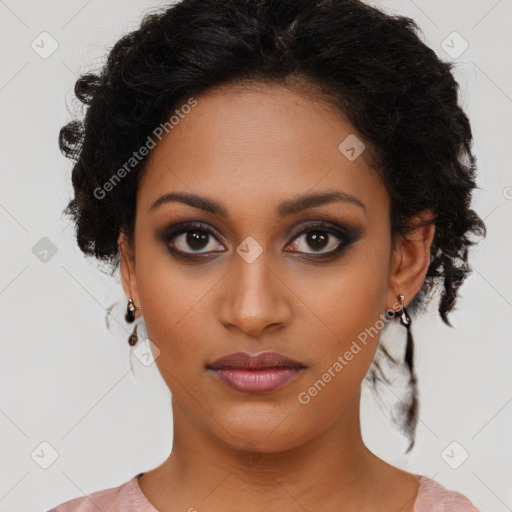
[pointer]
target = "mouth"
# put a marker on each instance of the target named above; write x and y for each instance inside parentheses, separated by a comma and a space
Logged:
(261, 373)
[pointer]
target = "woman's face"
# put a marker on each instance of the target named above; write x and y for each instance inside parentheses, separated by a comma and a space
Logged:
(268, 282)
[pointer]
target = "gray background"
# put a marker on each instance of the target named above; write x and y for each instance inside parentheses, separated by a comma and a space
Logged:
(66, 379)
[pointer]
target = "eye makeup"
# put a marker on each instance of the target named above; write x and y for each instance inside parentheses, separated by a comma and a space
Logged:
(179, 239)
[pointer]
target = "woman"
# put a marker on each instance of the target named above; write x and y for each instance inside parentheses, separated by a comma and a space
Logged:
(276, 181)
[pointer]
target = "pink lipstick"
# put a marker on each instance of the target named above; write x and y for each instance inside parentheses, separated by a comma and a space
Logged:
(260, 373)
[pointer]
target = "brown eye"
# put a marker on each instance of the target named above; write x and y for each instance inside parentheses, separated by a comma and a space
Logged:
(317, 240)
(324, 239)
(197, 240)
(193, 241)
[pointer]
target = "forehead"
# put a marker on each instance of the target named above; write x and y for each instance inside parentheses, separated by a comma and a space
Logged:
(256, 145)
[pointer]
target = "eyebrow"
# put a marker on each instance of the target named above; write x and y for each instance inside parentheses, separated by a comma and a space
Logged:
(287, 207)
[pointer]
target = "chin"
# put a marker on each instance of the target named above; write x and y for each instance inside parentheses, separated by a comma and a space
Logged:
(261, 431)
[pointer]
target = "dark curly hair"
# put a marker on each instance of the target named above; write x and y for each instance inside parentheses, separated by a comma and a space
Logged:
(372, 67)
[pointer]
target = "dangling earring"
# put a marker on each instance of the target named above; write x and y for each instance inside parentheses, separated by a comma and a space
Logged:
(132, 340)
(130, 317)
(405, 320)
(411, 411)
(130, 311)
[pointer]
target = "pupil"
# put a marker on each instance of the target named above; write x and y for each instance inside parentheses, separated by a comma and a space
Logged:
(316, 239)
(196, 239)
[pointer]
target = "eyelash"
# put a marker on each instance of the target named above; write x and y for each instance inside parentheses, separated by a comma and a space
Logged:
(346, 236)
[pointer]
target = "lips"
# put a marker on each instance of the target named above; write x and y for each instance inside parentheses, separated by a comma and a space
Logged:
(242, 360)
(260, 373)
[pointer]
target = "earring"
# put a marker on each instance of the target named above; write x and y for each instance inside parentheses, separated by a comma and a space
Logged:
(130, 311)
(411, 411)
(132, 340)
(405, 320)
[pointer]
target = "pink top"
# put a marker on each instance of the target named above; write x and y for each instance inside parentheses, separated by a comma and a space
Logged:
(128, 497)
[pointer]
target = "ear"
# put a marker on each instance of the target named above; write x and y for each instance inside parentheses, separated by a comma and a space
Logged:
(127, 269)
(410, 260)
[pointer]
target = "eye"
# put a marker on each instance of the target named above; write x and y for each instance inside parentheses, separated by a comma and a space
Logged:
(196, 240)
(321, 238)
(192, 238)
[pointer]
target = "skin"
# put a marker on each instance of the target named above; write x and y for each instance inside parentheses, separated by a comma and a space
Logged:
(249, 149)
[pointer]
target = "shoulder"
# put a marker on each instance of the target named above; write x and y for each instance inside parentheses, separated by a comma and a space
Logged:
(125, 496)
(433, 497)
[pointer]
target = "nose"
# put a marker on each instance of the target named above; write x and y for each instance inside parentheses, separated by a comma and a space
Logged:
(256, 300)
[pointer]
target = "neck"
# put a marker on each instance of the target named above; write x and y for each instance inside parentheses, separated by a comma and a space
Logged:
(333, 467)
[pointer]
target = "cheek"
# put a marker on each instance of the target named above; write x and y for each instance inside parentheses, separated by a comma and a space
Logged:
(174, 301)
(348, 308)
(350, 299)
(344, 351)
(172, 315)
